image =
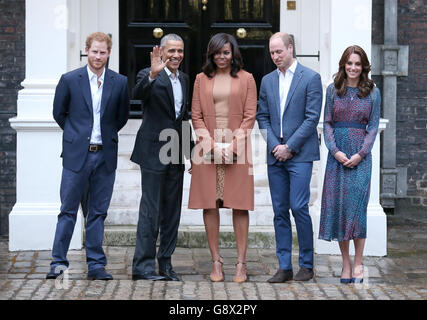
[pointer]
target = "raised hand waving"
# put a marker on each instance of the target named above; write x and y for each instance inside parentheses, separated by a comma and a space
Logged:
(157, 65)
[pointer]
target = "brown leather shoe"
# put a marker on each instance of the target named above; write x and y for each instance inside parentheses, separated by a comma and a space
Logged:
(281, 276)
(304, 274)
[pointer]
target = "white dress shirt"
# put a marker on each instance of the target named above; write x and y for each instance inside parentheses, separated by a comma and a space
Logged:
(285, 81)
(177, 90)
(96, 92)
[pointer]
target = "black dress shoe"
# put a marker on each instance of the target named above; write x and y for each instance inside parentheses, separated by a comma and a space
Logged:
(53, 275)
(147, 276)
(281, 276)
(99, 274)
(169, 274)
(304, 274)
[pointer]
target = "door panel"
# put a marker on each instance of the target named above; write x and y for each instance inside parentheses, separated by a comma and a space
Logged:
(259, 19)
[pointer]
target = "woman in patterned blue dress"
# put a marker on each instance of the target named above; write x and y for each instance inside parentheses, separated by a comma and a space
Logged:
(351, 118)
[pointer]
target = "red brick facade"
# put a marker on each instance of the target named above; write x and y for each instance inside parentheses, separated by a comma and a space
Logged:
(12, 73)
(411, 118)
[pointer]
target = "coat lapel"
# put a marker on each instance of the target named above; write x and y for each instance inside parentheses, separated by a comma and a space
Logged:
(209, 94)
(85, 86)
(276, 92)
(233, 105)
(184, 93)
(163, 76)
(106, 90)
(295, 80)
(206, 94)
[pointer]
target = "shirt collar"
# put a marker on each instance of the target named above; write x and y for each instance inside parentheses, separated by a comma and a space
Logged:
(292, 68)
(91, 75)
(168, 72)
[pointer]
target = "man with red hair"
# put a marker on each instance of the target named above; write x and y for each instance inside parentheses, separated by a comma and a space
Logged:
(91, 105)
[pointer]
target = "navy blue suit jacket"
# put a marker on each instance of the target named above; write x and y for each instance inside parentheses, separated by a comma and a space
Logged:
(300, 118)
(72, 110)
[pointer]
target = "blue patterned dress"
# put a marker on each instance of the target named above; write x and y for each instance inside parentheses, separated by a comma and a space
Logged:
(350, 125)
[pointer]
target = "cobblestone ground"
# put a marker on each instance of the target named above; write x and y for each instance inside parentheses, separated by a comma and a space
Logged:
(402, 275)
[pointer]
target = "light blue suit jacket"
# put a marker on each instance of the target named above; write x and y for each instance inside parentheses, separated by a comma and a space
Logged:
(300, 118)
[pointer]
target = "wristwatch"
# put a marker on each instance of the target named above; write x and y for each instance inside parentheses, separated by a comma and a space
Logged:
(289, 149)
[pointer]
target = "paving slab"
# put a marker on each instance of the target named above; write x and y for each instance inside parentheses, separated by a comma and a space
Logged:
(402, 275)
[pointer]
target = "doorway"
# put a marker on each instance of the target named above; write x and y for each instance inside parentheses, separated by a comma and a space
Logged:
(143, 22)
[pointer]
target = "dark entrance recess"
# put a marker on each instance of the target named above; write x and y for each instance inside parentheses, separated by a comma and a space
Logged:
(143, 22)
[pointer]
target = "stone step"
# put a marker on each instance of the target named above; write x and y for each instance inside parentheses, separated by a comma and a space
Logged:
(130, 197)
(261, 216)
(195, 236)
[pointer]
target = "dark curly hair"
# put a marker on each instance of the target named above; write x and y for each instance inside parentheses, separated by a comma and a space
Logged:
(214, 45)
(365, 84)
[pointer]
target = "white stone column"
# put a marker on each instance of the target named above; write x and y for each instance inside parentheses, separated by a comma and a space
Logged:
(32, 221)
(350, 23)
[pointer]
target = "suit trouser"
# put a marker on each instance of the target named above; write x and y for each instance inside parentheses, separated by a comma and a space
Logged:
(159, 210)
(290, 189)
(95, 174)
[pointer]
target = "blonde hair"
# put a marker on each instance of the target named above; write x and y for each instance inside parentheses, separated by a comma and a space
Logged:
(100, 37)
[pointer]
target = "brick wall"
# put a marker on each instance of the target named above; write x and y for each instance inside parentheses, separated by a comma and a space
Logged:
(12, 73)
(411, 118)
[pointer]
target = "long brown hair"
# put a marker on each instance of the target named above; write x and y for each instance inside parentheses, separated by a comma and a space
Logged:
(365, 84)
(214, 45)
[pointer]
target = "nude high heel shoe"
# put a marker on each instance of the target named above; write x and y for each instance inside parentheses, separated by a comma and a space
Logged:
(240, 279)
(220, 278)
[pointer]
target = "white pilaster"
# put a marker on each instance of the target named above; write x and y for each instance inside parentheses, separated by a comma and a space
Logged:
(33, 219)
(345, 30)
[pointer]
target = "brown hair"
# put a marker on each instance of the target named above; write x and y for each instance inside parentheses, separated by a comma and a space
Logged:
(100, 37)
(365, 84)
(214, 45)
(286, 38)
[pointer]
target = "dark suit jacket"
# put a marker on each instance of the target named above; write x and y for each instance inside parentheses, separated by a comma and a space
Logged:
(158, 115)
(300, 118)
(72, 110)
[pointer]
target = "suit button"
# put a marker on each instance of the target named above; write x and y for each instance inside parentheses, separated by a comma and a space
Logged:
(88, 138)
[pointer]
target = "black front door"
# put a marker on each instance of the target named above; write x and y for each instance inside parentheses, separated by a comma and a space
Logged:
(143, 22)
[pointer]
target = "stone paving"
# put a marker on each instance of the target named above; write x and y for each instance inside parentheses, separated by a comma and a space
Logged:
(402, 275)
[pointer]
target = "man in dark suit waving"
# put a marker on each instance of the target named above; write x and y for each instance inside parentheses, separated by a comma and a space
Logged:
(163, 135)
(91, 105)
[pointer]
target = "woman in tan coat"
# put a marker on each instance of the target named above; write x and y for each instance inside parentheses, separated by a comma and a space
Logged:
(223, 114)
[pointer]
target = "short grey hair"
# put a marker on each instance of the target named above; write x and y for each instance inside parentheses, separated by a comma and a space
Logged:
(170, 36)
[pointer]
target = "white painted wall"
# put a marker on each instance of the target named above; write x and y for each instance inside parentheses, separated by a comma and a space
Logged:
(304, 24)
(100, 15)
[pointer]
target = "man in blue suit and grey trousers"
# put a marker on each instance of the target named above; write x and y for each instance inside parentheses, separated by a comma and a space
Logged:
(290, 102)
(91, 105)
